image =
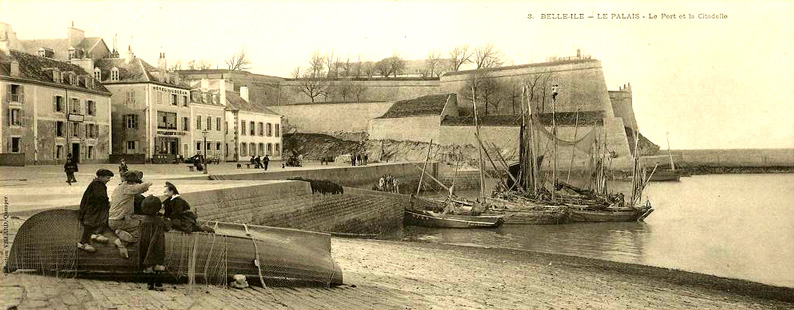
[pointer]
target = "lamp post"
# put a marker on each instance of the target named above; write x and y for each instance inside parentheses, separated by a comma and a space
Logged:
(204, 160)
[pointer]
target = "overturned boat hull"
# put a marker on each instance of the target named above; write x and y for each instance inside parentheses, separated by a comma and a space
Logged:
(609, 215)
(436, 220)
(46, 242)
(528, 213)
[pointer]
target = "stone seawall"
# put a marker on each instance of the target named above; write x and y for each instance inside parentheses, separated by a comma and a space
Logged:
(727, 158)
(358, 176)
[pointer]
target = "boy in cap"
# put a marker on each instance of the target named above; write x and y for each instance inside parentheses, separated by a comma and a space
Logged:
(152, 248)
(120, 217)
(93, 210)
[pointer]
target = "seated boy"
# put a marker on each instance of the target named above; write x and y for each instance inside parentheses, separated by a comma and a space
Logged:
(152, 240)
(177, 212)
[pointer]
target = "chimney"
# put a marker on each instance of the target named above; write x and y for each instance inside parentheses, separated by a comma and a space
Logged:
(14, 68)
(205, 85)
(130, 54)
(244, 93)
(74, 35)
(161, 63)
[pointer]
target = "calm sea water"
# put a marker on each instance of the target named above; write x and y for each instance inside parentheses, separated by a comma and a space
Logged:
(738, 226)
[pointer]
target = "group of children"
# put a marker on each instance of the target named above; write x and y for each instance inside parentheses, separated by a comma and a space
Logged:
(134, 218)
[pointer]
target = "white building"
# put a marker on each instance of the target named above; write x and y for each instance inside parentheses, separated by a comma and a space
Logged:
(254, 130)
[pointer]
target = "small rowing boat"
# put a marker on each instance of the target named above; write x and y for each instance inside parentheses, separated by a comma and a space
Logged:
(432, 219)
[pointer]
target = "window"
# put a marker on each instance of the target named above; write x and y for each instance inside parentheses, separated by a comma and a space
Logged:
(114, 74)
(242, 128)
(15, 117)
(277, 150)
(174, 99)
(59, 129)
(166, 120)
(58, 104)
(252, 128)
(16, 144)
(261, 148)
(16, 93)
(278, 133)
(131, 120)
(269, 130)
(198, 146)
(218, 123)
(72, 53)
(261, 129)
(74, 106)
(130, 97)
(218, 147)
(75, 129)
(160, 94)
(132, 146)
(243, 149)
(184, 100)
(185, 124)
(58, 151)
(270, 149)
(198, 122)
(209, 122)
(90, 152)
(97, 74)
(227, 127)
(91, 106)
(252, 149)
(91, 131)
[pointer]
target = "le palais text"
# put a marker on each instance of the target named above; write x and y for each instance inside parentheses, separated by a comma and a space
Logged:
(625, 16)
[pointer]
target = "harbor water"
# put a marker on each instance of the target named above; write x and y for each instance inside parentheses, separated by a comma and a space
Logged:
(737, 226)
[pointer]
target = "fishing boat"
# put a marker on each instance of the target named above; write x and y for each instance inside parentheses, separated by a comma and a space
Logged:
(432, 219)
(528, 213)
(586, 214)
(264, 255)
(668, 173)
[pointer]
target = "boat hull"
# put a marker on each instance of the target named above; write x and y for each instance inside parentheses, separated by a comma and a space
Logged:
(436, 220)
(587, 215)
(46, 242)
(666, 176)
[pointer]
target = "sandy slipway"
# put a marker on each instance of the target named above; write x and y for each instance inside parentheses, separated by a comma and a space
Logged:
(402, 275)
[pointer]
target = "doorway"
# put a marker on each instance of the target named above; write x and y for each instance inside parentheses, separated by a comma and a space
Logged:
(76, 152)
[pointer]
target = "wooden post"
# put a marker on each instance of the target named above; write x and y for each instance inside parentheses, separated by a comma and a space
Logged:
(421, 177)
(669, 153)
(477, 135)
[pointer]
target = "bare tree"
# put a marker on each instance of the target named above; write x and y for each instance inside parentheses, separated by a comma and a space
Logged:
(393, 65)
(358, 90)
(239, 61)
(176, 66)
(368, 68)
(330, 61)
(459, 56)
(316, 63)
(487, 56)
(382, 67)
(487, 89)
(433, 63)
(538, 87)
(345, 89)
(310, 83)
(200, 64)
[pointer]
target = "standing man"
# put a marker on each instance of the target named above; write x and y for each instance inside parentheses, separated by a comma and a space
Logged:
(120, 217)
(123, 167)
(93, 212)
(353, 159)
(265, 161)
(70, 167)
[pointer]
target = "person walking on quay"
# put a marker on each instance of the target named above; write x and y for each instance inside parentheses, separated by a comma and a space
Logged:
(353, 159)
(123, 167)
(366, 159)
(120, 219)
(265, 162)
(258, 162)
(252, 161)
(93, 211)
(358, 159)
(70, 167)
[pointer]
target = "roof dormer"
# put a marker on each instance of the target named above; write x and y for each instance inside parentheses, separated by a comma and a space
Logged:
(97, 74)
(114, 74)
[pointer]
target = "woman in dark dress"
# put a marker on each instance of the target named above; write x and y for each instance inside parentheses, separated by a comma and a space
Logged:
(177, 212)
(70, 167)
(152, 239)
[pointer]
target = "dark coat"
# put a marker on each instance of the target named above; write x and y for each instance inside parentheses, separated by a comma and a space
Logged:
(179, 215)
(95, 205)
(70, 166)
(152, 242)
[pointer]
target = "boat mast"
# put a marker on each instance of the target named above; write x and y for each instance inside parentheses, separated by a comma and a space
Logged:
(424, 166)
(477, 136)
(669, 153)
(554, 137)
(573, 149)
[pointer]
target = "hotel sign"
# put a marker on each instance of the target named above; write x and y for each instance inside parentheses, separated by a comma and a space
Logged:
(75, 117)
(170, 133)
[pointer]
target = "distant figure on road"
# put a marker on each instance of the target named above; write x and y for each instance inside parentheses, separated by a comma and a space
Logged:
(265, 162)
(70, 167)
(258, 162)
(353, 159)
(252, 161)
(123, 167)
(366, 159)
(93, 212)
(358, 159)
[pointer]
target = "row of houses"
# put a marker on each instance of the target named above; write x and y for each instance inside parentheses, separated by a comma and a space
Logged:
(76, 96)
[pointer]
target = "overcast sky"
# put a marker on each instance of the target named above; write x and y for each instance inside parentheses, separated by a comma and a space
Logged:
(725, 83)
